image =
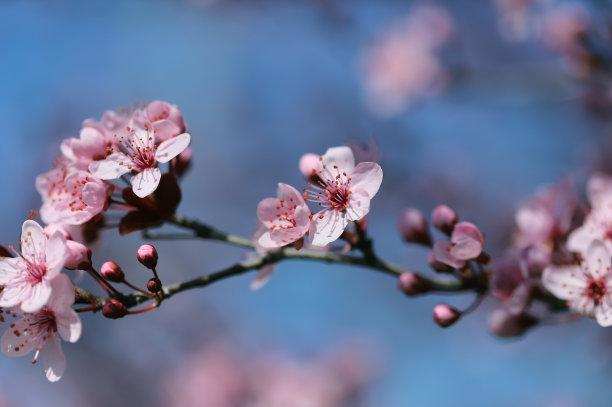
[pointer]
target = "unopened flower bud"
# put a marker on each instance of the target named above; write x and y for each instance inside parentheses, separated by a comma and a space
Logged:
(444, 218)
(437, 265)
(112, 272)
(412, 227)
(412, 284)
(154, 285)
(309, 165)
(445, 315)
(147, 255)
(505, 324)
(114, 309)
(78, 256)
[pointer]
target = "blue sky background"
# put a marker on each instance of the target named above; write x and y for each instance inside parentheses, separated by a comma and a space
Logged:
(259, 85)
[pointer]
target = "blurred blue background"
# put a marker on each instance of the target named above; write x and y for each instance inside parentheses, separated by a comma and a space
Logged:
(259, 84)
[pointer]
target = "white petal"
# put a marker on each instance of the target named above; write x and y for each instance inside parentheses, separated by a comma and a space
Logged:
(329, 228)
(579, 239)
(12, 295)
(55, 254)
(358, 205)
(69, 325)
(565, 283)
(598, 258)
(9, 269)
(367, 176)
(37, 297)
(53, 359)
(172, 147)
(62, 296)
(603, 314)
(145, 182)
(33, 241)
(340, 156)
(113, 166)
(11, 342)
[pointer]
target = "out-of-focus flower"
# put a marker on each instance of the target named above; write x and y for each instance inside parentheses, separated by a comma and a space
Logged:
(444, 218)
(506, 324)
(598, 223)
(344, 194)
(516, 18)
(413, 227)
(141, 154)
(445, 315)
(465, 244)
(286, 217)
(41, 330)
(587, 287)
(263, 273)
(401, 67)
(70, 196)
(27, 277)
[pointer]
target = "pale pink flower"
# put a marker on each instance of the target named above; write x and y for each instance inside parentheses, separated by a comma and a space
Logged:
(286, 217)
(70, 196)
(465, 244)
(92, 144)
(309, 164)
(515, 19)
(38, 330)
(141, 156)
(598, 223)
(586, 287)
(263, 273)
(166, 118)
(344, 193)
(27, 277)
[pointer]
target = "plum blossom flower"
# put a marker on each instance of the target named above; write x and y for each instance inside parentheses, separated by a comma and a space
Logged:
(586, 287)
(263, 273)
(141, 156)
(598, 223)
(27, 276)
(92, 144)
(70, 196)
(465, 244)
(344, 193)
(286, 217)
(40, 330)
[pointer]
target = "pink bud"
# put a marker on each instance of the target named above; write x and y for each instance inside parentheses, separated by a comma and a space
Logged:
(444, 218)
(412, 284)
(505, 324)
(114, 309)
(437, 265)
(79, 256)
(112, 272)
(309, 165)
(147, 255)
(54, 227)
(445, 315)
(154, 285)
(412, 227)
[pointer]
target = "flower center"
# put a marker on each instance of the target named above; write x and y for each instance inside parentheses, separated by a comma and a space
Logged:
(284, 218)
(596, 289)
(333, 190)
(140, 146)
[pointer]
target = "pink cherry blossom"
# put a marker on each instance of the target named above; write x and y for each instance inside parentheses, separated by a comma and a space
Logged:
(344, 193)
(286, 217)
(38, 330)
(92, 144)
(465, 244)
(166, 118)
(598, 223)
(586, 287)
(70, 196)
(264, 273)
(141, 156)
(27, 276)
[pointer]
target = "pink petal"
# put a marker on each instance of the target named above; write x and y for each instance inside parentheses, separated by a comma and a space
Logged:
(442, 251)
(302, 218)
(113, 166)
(146, 181)
(358, 205)
(565, 283)
(288, 193)
(340, 156)
(37, 297)
(329, 228)
(603, 314)
(169, 149)
(367, 176)
(10, 268)
(10, 341)
(266, 210)
(466, 241)
(62, 296)
(598, 258)
(165, 129)
(69, 325)
(55, 254)
(53, 359)
(12, 295)
(265, 240)
(33, 241)
(579, 239)
(262, 277)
